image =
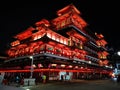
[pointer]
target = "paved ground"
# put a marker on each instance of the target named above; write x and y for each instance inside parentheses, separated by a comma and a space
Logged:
(74, 85)
(3, 87)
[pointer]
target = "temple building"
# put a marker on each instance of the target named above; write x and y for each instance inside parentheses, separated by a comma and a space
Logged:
(61, 46)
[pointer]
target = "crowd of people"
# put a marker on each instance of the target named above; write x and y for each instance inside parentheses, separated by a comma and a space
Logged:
(19, 79)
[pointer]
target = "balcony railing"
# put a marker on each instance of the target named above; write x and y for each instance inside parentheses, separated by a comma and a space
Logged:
(90, 50)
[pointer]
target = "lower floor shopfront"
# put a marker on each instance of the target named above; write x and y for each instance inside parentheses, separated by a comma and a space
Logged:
(54, 67)
(16, 76)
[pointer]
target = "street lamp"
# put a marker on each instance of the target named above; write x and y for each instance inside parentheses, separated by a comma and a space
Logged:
(118, 53)
(115, 58)
(31, 69)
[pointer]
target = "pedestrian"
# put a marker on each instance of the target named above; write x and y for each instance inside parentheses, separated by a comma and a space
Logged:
(118, 78)
(62, 78)
(44, 78)
(22, 82)
(5, 81)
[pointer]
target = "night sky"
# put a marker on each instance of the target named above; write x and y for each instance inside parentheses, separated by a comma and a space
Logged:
(102, 16)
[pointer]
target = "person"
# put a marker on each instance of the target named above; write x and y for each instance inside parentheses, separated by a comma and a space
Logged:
(118, 78)
(22, 81)
(4, 82)
(62, 77)
(44, 78)
(17, 79)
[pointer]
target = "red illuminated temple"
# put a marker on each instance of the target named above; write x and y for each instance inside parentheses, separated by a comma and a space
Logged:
(59, 46)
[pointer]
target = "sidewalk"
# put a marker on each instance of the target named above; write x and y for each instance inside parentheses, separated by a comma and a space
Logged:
(5, 87)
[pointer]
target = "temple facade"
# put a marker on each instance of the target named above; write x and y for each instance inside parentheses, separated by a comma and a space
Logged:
(61, 46)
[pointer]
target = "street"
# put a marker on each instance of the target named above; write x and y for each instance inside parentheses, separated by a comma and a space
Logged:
(73, 85)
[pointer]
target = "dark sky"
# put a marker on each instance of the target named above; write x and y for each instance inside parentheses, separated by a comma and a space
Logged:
(101, 15)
